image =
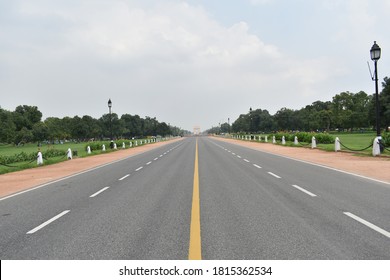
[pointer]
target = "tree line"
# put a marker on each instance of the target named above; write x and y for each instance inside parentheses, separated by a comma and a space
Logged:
(25, 125)
(347, 111)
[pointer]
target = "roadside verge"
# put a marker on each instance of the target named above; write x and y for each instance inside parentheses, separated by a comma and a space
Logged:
(371, 167)
(15, 182)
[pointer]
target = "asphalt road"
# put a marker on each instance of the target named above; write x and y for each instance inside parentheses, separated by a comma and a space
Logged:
(252, 205)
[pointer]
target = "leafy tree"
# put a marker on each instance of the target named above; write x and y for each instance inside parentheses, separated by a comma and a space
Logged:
(351, 110)
(286, 119)
(40, 131)
(241, 124)
(23, 136)
(56, 129)
(163, 129)
(225, 128)
(262, 121)
(110, 123)
(26, 116)
(132, 125)
(92, 127)
(7, 126)
(384, 100)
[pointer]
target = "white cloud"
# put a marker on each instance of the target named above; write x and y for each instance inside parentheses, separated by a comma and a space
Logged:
(171, 60)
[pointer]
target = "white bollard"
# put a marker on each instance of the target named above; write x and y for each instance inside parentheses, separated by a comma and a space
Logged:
(266, 139)
(115, 147)
(313, 143)
(131, 144)
(103, 148)
(69, 153)
(376, 149)
(136, 143)
(259, 138)
(123, 145)
(88, 150)
(39, 158)
(283, 140)
(337, 146)
(296, 140)
(273, 139)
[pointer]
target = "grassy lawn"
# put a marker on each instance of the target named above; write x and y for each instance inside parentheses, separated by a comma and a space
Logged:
(11, 150)
(353, 141)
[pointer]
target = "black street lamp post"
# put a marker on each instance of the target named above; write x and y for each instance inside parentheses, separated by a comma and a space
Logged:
(109, 109)
(375, 53)
(250, 120)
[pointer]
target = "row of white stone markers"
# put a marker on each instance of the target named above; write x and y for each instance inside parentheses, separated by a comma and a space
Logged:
(337, 147)
(69, 153)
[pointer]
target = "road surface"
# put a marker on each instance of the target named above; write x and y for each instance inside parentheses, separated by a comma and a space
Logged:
(200, 198)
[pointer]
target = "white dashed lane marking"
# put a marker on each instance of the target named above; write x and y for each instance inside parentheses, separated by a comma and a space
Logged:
(124, 177)
(305, 191)
(368, 224)
(48, 222)
(102, 190)
(273, 174)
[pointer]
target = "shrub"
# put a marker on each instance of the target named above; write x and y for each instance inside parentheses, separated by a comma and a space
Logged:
(321, 138)
(324, 138)
(386, 138)
(23, 156)
(53, 153)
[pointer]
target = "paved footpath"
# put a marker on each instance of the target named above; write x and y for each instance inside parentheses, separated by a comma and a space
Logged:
(14, 182)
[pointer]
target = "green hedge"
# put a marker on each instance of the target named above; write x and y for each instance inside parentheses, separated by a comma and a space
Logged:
(386, 138)
(321, 138)
(23, 156)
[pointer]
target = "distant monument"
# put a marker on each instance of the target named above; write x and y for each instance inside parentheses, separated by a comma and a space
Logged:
(196, 130)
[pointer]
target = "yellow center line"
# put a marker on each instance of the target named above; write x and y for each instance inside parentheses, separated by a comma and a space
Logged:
(195, 250)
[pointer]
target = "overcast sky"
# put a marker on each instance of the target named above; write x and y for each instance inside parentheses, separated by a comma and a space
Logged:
(195, 62)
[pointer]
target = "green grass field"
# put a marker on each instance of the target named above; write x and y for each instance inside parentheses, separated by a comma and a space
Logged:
(80, 148)
(354, 141)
